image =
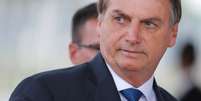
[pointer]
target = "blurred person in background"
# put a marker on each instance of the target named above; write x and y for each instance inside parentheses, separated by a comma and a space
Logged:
(85, 40)
(134, 36)
(187, 60)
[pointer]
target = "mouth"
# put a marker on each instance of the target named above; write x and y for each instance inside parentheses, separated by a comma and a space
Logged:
(132, 53)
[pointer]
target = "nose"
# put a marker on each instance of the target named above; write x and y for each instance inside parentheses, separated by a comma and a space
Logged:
(133, 34)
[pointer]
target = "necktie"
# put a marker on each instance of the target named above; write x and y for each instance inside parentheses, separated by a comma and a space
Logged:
(131, 94)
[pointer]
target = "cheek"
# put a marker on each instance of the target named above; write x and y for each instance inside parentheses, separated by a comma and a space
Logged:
(156, 45)
(106, 42)
(109, 38)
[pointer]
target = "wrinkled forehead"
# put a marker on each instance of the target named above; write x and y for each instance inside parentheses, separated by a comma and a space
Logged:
(135, 4)
(140, 7)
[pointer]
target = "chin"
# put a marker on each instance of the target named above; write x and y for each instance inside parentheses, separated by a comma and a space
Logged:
(131, 67)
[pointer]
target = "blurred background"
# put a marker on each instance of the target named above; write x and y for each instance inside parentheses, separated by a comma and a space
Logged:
(34, 35)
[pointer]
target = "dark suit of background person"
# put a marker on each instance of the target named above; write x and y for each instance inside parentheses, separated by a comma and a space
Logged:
(188, 59)
(133, 38)
(91, 81)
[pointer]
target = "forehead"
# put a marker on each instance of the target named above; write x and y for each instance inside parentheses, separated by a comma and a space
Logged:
(141, 7)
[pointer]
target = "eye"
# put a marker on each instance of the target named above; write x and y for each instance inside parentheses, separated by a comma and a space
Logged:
(150, 24)
(119, 19)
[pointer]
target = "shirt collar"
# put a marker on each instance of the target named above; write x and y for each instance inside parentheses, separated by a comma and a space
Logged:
(121, 84)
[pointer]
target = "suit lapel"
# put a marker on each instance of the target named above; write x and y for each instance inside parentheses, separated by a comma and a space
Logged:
(105, 89)
(158, 93)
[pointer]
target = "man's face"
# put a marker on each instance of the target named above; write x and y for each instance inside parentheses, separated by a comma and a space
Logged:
(86, 49)
(134, 34)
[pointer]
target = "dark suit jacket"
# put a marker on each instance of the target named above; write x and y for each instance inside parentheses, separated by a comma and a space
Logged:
(194, 94)
(86, 82)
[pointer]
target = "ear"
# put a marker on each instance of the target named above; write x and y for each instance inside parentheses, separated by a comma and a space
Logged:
(73, 50)
(173, 35)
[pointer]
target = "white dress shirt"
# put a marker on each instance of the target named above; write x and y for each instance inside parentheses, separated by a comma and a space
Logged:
(146, 88)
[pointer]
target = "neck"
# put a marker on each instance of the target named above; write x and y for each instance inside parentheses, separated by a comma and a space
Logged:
(135, 78)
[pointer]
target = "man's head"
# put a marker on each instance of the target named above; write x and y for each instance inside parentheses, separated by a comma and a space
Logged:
(134, 34)
(85, 41)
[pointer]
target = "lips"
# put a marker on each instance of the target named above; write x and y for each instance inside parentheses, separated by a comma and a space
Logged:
(132, 53)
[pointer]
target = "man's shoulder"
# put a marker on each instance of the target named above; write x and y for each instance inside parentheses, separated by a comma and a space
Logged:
(165, 95)
(58, 76)
(51, 82)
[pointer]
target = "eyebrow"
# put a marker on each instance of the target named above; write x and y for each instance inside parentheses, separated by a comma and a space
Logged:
(120, 13)
(117, 11)
(127, 16)
(155, 19)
